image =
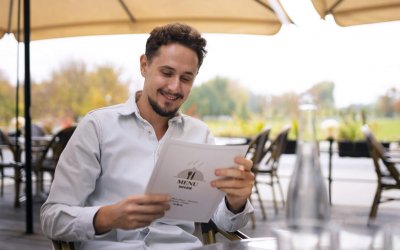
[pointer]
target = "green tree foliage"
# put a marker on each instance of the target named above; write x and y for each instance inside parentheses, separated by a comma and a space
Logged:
(388, 105)
(323, 95)
(283, 106)
(7, 100)
(73, 91)
(218, 97)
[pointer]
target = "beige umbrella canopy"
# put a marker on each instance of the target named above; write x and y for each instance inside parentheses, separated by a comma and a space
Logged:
(354, 12)
(51, 19)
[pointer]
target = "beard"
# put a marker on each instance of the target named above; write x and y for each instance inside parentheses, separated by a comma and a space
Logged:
(160, 111)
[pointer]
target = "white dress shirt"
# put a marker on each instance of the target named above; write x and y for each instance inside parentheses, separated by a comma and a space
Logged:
(111, 156)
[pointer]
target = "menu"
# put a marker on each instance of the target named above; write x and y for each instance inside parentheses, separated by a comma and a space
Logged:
(184, 170)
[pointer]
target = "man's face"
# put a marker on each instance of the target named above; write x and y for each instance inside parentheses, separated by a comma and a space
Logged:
(169, 78)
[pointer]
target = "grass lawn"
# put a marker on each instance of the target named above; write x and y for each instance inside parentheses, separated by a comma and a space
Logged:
(383, 128)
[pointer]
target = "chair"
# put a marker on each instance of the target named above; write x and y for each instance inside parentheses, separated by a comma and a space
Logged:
(47, 161)
(255, 153)
(62, 245)
(5, 144)
(388, 176)
(209, 232)
(268, 166)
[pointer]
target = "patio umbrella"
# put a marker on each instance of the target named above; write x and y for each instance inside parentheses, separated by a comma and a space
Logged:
(354, 12)
(44, 19)
(54, 19)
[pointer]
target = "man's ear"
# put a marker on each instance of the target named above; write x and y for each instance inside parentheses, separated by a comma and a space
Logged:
(143, 64)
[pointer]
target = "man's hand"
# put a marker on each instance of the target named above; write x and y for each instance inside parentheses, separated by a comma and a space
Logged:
(133, 212)
(236, 182)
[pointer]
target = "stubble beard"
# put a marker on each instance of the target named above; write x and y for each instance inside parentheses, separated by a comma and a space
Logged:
(160, 111)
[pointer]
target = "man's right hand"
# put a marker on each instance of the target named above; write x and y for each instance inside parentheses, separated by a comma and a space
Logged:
(133, 212)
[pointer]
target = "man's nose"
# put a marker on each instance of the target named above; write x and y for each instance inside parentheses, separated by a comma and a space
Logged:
(174, 84)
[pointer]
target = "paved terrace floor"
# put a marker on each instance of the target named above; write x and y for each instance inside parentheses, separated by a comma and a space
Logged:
(353, 190)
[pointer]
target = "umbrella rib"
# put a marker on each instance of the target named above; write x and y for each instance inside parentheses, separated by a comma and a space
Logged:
(387, 6)
(265, 5)
(9, 16)
(127, 11)
(332, 8)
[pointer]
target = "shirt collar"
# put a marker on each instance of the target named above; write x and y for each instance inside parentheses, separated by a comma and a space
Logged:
(130, 107)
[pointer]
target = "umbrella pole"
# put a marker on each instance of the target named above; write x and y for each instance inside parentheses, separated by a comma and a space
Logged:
(27, 101)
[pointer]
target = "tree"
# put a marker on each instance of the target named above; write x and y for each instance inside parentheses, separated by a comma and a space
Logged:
(7, 100)
(388, 105)
(217, 97)
(72, 91)
(323, 94)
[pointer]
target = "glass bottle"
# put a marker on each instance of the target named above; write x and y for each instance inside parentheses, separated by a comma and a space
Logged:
(307, 197)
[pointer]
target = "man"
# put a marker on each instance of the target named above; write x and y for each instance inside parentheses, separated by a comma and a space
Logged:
(97, 198)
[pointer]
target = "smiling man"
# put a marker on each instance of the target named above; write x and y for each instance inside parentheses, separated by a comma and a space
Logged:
(97, 198)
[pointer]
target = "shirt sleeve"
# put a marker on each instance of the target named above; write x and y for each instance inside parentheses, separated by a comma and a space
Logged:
(229, 221)
(65, 214)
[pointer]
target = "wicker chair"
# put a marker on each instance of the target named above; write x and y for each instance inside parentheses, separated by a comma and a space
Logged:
(47, 160)
(6, 145)
(388, 176)
(266, 171)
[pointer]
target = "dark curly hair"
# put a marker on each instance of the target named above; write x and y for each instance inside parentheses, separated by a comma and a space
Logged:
(176, 33)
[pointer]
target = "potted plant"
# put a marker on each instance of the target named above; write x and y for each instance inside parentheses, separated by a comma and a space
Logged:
(351, 141)
(292, 138)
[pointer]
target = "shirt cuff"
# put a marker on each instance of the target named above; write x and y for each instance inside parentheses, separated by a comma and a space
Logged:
(86, 217)
(247, 210)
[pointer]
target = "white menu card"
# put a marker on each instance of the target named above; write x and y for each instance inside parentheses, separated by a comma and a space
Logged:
(184, 171)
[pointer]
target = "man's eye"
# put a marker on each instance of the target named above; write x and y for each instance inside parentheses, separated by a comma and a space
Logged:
(185, 79)
(167, 73)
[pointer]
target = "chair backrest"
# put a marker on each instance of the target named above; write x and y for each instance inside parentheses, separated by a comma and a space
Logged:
(209, 231)
(382, 164)
(257, 148)
(62, 245)
(276, 148)
(5, 142)
(56, 146)
(36, 130)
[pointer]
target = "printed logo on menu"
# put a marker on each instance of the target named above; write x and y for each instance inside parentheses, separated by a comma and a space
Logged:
(190, 177)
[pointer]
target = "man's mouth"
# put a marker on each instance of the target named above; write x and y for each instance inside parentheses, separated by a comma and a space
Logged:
(170, 96)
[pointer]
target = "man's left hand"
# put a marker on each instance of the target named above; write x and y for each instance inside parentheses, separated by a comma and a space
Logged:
(236, 182)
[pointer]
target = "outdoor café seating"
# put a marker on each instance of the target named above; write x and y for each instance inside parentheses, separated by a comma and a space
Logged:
(268, 167)
(256, 152)
(6, 146)
(388, 176)
(48, 158)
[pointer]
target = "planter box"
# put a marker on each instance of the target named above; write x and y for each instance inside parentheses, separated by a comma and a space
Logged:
(355, 148)
(290, 147)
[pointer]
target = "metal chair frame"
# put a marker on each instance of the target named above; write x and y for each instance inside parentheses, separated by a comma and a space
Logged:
(5, 143)
(48, 158)
(388, 176)
(256, 152)
(268, 167)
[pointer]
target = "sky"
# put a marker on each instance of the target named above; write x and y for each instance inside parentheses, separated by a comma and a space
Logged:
(363, 61)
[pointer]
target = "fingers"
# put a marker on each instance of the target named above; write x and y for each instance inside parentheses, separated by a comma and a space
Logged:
(147, 204)
(236, 182)
(139, 211)
(241, 172)
(149, 198)
(244, 164)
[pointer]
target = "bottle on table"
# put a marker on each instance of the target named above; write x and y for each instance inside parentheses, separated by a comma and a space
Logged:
(307, 197)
